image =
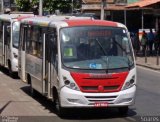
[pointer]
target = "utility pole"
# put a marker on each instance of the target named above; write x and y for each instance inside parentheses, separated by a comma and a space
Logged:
(2, 6)
(40, 7)
(72, 6)
(103, 4)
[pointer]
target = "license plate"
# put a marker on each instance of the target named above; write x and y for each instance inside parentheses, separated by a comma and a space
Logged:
(100, 104)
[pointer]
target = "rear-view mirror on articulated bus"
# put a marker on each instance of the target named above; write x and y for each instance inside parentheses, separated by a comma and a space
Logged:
(81, 63)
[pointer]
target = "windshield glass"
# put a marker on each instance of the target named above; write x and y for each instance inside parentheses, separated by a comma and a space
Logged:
(16, 28)
(95, 47)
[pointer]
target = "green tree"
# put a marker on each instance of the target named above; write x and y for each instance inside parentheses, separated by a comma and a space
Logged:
(23, 5)
(52, 5)
(48, 5)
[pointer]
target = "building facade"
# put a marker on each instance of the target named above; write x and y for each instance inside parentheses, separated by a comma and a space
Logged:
(7, 5)
(135, 14)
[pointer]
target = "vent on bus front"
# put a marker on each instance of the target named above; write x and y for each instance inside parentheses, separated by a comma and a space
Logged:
(108, 99)
(110, 87)
(90, 87)
(96, 89)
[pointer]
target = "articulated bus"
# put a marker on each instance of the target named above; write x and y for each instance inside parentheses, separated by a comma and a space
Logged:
(79, 63)
(9, 37)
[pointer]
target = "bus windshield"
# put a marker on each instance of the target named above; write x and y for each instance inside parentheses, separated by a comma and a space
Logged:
(16, 28)
(96, 47)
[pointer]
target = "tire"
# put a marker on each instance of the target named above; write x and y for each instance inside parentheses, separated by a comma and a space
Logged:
(31, 90)
(61, 112)
(123, 110)
(11, 74)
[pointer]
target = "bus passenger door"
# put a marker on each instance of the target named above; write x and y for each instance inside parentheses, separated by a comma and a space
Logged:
(47, 64)
(21, 53)
(7, 38)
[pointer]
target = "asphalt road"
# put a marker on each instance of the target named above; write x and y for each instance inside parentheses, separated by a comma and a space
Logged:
(17, 105)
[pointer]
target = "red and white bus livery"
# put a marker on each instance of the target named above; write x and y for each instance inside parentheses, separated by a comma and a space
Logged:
(80, 63)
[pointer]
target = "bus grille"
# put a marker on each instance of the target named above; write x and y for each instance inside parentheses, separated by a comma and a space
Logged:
(93, 99)
(95, 88)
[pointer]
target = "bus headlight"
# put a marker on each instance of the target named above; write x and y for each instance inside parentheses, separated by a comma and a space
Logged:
(70, 84)
(15, 55)
(129, 83)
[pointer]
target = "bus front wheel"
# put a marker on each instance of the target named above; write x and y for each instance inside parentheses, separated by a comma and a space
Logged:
(10, 69)
(31, 88)
(60, 110)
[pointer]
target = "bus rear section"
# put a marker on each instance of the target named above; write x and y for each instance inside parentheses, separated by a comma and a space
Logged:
(80, 63)
(9, 37)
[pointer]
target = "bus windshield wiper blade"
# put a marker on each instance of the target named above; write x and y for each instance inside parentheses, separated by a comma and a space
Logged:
(104, 52)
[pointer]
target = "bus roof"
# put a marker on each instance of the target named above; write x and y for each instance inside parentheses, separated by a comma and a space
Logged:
(10, 17)
(90, 22)
(70, 21)
(41, 21)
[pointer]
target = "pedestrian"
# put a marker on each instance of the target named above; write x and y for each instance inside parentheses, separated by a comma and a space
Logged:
(132, 36)
(136, 43)
(151, 38)
(144, 41)
(157, 41)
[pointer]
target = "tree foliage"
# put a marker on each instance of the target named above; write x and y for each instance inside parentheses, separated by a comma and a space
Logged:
(48, 5)
(23, 5)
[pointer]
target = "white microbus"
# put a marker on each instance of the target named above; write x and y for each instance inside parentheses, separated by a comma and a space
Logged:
(79, 63)
(9, 37)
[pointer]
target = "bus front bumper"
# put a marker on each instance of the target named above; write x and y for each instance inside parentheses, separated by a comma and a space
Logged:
(70, 98)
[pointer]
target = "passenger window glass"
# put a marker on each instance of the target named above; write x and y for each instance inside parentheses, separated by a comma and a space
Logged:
(7, 34)
(15, 34)
(34, 44)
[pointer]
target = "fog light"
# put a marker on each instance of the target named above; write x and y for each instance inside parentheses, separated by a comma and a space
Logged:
(72, 100)
(75, 101)
(125, 100)
(15, 55)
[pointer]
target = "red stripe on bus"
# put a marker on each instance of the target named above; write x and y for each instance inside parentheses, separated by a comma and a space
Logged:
(24, 17)
(99, 82)
(90, 22)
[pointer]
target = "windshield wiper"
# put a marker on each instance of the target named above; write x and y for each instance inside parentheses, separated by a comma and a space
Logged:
(101, 47)
(105, 53)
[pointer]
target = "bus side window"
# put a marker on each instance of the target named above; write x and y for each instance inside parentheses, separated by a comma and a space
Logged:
(22, 37)
(33, 41)
(39, 42)
(25, 39)
(7, 34)
(28, 39)
(53, 47)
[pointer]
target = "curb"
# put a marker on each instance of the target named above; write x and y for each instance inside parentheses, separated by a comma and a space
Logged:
(150, 67)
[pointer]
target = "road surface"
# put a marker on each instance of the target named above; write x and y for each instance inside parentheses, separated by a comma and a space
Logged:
(17, 104)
